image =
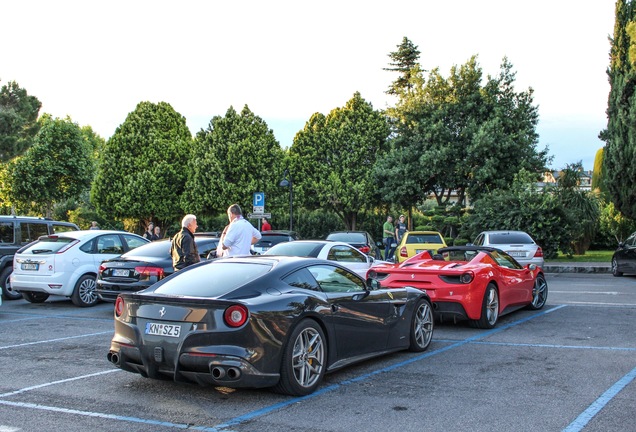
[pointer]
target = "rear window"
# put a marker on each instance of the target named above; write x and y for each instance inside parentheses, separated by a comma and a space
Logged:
(424, 238)
(510, 238)
(154, 249)
(348, 237)
(48, 245)
(212, 280)
(272, 240)
(295, 249)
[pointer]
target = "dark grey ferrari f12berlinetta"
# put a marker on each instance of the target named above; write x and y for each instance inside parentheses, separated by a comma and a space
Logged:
(279, 322)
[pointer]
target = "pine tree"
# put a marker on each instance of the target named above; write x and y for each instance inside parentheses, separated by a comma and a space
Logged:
(620, 136)
(404, 59)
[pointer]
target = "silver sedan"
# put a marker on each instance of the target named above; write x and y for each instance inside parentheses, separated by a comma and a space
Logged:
(340, 252)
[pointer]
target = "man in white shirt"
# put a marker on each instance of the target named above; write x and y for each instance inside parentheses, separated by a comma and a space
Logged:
(241, 234)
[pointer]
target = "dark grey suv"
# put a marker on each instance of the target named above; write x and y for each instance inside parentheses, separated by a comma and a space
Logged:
(19, 231)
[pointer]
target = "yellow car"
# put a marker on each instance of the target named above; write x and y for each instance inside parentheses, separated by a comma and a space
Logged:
(414, 242)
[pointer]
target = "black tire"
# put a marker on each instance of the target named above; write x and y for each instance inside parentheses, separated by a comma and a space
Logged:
(489, 309)
(84, 294)
(539, 293)
(615, 271)
(303, 363)
(7, 292)
(35, 297)
(422, 325)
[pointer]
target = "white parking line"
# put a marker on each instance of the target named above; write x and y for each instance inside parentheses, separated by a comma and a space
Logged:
(26, 389)
(586, 292)
(54, 340)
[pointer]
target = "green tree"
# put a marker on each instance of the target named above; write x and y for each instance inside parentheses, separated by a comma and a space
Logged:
(18, 120)
(620, 136)
(56, 167)
(143, 167)
(522, 207)
(583, 207)
(403, 61)
(462, 137)
(237, 155)
(332, 159)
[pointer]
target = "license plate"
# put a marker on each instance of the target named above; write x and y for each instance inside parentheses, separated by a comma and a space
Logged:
(120, 272)
(517, 254)
(157, 329)
(30, 266)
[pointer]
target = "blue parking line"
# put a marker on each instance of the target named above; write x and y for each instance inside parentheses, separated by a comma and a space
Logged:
(583, 419)
(263, 411)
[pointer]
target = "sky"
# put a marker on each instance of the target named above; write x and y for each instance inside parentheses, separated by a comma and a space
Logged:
(286, 60)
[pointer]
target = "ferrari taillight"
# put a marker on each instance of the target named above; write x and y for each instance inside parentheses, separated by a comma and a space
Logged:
(466, 278)
(235, 315)
(538, 253)
(119, 306)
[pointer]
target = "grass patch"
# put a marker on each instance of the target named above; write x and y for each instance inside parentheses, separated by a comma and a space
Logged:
(590, 256)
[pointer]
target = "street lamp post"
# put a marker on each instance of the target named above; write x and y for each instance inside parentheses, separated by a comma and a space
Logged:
(287, 182)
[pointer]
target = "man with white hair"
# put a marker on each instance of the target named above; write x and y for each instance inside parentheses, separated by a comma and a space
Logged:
(184, 250)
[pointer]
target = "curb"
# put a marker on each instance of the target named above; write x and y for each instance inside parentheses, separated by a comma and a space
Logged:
(578, 268)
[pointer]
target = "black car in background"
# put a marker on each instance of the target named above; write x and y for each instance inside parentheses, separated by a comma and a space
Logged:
(142, 267)
(624, 258)
(361, 240)
(271, 238)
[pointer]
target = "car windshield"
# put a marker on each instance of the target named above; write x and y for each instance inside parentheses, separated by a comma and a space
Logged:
(50, 244)
(348, 237)
(295, 249)
(153, 249)
(510, 238)
(213, 280)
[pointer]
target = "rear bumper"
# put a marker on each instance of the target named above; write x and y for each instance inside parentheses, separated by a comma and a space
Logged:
(54, 284)
(208, 369)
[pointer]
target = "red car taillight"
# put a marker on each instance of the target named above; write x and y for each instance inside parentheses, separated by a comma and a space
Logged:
(119, 306)
(403, 252)
(365, 249)
(538, 253)
(149, 271)
(235, 315)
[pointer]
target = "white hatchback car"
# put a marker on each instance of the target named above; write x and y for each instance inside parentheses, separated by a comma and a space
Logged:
(340, 252)
(517, 244)
(66, 264)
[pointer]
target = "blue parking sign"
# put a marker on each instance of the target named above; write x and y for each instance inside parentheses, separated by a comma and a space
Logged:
(258, 202)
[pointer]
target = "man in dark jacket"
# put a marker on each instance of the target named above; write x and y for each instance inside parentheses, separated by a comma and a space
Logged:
(184, 250)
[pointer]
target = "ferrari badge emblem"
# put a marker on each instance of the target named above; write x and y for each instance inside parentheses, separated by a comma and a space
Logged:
(412, 276)
(162, 312)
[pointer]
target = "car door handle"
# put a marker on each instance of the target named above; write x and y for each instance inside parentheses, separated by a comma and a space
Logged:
(335, 308)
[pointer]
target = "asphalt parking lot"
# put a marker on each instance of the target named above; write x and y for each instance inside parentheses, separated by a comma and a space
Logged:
(570, 366)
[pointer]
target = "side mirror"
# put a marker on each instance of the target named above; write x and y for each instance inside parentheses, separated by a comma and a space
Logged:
(373, 284)
(621, 245)
(532, 267)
